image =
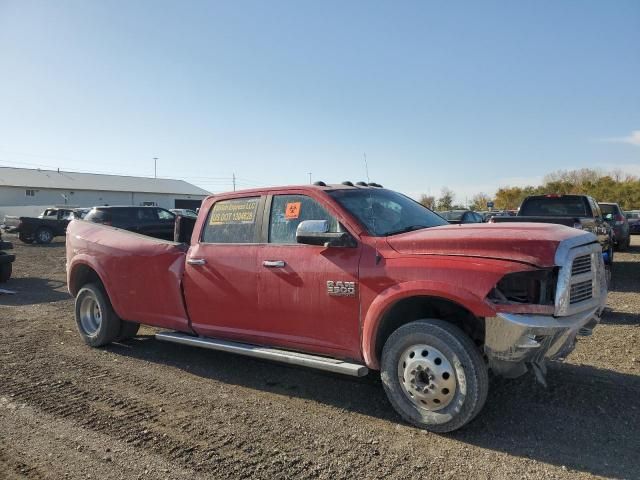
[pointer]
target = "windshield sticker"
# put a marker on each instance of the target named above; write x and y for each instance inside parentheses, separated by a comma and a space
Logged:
(234, 211)
(292, 211)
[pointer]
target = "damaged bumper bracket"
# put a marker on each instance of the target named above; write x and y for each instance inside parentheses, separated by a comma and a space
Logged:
(513, 340)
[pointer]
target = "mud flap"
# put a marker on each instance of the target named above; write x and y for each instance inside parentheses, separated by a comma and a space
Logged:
(540, 371)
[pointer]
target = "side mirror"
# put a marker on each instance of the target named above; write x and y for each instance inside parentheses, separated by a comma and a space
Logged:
(316, 232)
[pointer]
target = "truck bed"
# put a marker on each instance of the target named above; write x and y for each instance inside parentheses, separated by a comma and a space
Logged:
(144, 280)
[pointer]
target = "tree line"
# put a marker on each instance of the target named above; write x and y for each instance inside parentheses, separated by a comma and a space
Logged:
(615, 186)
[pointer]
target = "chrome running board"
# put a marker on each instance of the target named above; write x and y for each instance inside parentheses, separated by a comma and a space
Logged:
(283, 356)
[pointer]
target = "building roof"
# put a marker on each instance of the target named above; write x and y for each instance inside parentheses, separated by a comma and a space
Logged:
(36, 178)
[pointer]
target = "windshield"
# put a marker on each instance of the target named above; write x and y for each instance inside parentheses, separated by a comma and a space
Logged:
(566, 206)
(384, 212)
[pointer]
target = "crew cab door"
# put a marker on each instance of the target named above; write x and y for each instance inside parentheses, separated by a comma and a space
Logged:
(301, 303)
(220, 282)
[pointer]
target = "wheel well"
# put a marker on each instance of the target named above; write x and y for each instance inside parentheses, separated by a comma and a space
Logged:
(414, 308)
(82, 275)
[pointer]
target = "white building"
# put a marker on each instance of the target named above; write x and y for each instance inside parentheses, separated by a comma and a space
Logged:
(25, 191)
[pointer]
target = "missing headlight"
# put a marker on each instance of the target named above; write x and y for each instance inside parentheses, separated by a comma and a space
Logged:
(535, 287)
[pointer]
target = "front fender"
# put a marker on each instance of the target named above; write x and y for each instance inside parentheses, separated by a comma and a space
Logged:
(417, 288)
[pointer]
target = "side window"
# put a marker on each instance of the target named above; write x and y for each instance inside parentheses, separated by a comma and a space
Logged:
(165, 215)
(287, 211)
(147, 215)
(120, 216)
(232, 221)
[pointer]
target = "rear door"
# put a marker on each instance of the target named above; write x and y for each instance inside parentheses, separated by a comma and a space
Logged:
(220, 282)
(308, 295)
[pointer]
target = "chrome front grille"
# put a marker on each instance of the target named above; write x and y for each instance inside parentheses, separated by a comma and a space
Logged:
(581, 264)
(581, 278)
(581, 291)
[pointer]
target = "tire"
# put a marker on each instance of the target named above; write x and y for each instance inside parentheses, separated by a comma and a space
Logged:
(97, 323)
(44, 236)
(24, 239)
(453, 373)
(623, 246)
(127, 330)
(5, 272)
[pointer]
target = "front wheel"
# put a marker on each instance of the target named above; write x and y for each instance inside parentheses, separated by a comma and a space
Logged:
(434, 375)
(624, 246)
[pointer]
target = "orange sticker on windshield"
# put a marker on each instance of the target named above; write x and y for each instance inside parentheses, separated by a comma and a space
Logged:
(292, 211)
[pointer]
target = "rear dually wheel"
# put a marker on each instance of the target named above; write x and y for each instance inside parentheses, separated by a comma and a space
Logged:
(97, 323)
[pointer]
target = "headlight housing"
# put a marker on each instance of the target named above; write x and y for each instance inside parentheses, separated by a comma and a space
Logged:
(537, 287)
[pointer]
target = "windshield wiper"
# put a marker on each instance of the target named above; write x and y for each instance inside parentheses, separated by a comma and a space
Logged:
(410, 228)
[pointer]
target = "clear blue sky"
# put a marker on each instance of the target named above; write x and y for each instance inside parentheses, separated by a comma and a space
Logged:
(470, 95)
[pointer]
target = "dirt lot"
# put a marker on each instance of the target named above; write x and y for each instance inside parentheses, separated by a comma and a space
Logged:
(151, 410)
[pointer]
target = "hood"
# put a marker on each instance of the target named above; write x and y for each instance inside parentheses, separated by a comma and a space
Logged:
(532, 243)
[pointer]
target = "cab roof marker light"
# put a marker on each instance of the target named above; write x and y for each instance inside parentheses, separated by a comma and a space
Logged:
(320, 183)
(361, 184)
(347, 183)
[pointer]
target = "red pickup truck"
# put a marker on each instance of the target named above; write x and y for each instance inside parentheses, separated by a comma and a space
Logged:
(349, 279)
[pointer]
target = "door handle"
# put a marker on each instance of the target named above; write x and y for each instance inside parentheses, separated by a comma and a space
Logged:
(274, 263)
(196, 261)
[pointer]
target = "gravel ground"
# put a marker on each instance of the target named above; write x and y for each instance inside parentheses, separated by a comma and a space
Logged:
(147, 409)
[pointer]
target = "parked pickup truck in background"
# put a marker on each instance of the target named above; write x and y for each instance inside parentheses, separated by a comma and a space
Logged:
(6, 261)
(42, 229)
(577, 211)
(349, 279)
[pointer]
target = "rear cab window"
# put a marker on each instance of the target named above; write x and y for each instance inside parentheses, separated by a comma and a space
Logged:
(232, 221)
(562, 206)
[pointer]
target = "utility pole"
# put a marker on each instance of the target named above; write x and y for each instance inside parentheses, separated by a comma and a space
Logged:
(155, 167)
(233, 177)
(309, 178)
(366, 167)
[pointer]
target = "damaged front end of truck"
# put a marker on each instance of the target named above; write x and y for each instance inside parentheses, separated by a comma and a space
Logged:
(540, 313)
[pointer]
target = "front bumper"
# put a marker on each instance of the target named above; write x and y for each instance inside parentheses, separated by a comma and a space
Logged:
(513, 340)
(5, 245)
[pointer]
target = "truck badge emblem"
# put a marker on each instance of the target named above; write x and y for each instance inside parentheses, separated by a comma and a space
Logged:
(341, 289)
